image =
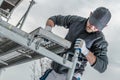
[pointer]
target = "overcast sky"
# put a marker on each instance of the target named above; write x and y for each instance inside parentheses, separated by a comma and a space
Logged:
(43, 9)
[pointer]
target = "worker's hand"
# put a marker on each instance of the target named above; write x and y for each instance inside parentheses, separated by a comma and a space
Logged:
(76, 76)
(49, 25)
(81, 46)
(48, 28)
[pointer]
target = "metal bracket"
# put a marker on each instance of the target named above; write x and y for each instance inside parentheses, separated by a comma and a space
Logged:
(31, 38)
(37, 43)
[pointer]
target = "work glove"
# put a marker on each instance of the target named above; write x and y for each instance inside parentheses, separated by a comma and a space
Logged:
(81, 46)
(48, 28)
(76, 76)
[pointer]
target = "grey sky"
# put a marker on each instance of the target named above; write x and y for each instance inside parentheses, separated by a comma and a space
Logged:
(43, 9)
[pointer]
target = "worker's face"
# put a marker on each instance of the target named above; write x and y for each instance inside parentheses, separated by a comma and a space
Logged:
(90, 28)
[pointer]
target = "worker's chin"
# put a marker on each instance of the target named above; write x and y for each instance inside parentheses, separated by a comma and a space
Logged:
(89, 30)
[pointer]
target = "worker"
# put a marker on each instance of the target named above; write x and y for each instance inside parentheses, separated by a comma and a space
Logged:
(95, 45)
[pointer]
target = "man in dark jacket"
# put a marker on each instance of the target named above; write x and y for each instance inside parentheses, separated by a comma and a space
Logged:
(90, 30)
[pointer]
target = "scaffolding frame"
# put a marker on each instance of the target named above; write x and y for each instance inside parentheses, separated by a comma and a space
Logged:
(7, 7)
(29, 41)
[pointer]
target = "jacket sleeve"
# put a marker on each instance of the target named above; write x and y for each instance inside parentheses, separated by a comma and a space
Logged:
(100, 51)
(65, 21)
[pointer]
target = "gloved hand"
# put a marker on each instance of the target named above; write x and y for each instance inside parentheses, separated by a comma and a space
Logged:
(48, 28)
(76, 76)
(81, 46)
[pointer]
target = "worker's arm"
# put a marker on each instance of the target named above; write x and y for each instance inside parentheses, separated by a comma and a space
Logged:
(91, 58)
(60, 20)
(100, 51)
(98, 60)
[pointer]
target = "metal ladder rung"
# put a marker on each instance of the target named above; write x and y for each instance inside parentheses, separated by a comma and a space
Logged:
(3, 62)
(24, 54)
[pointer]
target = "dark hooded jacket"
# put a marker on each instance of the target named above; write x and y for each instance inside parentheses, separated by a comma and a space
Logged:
(95, 41)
